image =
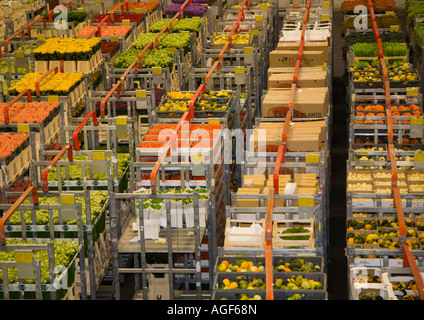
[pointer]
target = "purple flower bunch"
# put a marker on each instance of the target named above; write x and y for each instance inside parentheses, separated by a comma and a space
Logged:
(192, 9)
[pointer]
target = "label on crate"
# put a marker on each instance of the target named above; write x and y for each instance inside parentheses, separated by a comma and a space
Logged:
(213, 121)
(126, 22)
(416, 131)
(412, 91)
(41, 37)
(417, 120)
(19, 54)
(53, 98)
(325, 17)
(23, 127)
(138, 10)
(80, 10)
(312, 158)
(248, 55)
(264, 6)
(255, 32)
(240, 76)
(259, 22)
(24, 264)
(394, 28)
(99, 162)
(325, 4)
(114, 38)
(419, 156)
(68, 211)
(141, 96)
(121, 127)
(157, 75)
(20, 59)
(306, 201)
(419, 160)
(23, 256)
(156, 70)
(390, 13)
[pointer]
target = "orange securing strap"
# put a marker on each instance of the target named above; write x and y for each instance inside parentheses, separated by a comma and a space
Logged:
(178, 16)
(278, 161)
(409, 262)
(17, 33)
(91, 114)
(44, 175)
(132, 65)
(117, 88)
(216, 66)
(183, 6)
(14, 207)
(200, 90)
(398, 203)
(15, 99)
(112, 11)
(140, 55)
(37, 83)
(99, 26)
(268, 246)
(227, 48)
(35, 21)
(166, 29)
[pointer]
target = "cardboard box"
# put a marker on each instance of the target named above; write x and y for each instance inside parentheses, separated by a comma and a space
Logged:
(277, 202)
(283, 179)
(307, 46)
(307, 190)
(291, 70)
(307, 103)
(248, 203)
(306, 183)
(288, 58)
(309, 136)
(254, 181)
(304, 143)
(281, 183)
(304, 80)
(305, 176)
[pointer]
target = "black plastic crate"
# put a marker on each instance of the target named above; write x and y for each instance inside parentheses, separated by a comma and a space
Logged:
(238, 294)
(234, 259)
(316, 276)
(315, 260)
(304, 294)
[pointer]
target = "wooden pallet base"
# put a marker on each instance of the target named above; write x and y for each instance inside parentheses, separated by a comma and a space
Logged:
(86, 67)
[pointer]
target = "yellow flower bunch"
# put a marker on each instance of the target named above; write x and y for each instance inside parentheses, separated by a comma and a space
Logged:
(27, 82)
(67, 46)
(61, 82)
(55, 83)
